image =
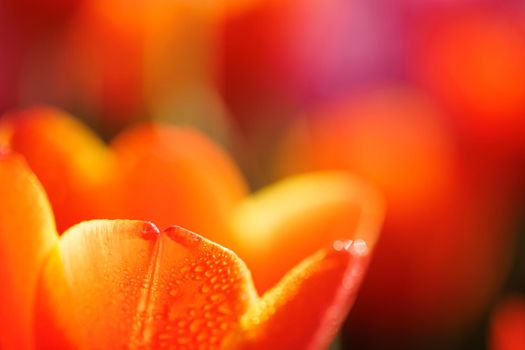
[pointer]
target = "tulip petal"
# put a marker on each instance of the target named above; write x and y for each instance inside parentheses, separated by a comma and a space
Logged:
(178, 169)
(27, 235)
(123, 284)
(291, 219)
(70, 161)
(186, 176)
(306, 309)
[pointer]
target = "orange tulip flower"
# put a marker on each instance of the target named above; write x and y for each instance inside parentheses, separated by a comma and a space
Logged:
(508, 325)
(170, 288)
(175, 175)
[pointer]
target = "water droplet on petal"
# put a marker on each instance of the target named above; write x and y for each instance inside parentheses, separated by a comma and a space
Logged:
(196, 325)
(201, 337)
(149, 230)
(338, 245)
(359, 247)
(216, 297)
(225, 309)
(192, 312)
(211, 324)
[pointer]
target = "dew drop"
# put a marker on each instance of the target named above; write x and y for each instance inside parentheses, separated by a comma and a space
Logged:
(338, 245)
(199, 268)
(149, 230)
(192, 312)
(360, 247)
(211, 324)
(201, 337)
(216, 297)
(195, 325)
(225, 309)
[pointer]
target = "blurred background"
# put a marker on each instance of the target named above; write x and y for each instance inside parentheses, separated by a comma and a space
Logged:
(425, 98)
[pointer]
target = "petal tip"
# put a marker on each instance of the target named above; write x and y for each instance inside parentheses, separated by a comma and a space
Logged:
(150, 230)
(182, 236)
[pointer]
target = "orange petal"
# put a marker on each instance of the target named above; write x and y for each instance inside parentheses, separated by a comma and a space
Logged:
(70, 161)
(177, 175)
(274, 229)
(123, 284)
(306, 309)
(164, 174)
(508, 325)
(27, 234)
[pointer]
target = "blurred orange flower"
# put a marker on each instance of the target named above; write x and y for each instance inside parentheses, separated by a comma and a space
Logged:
(447, 225)
(473, 63)
(123, 283)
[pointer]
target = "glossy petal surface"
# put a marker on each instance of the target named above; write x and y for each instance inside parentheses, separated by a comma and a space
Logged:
(27, 234)
(291, 219)
(306, 309)
(176, 175)
(71, 163)
(123, 284)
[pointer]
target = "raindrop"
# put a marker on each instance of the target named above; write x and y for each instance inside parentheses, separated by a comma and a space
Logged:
(149, 230)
